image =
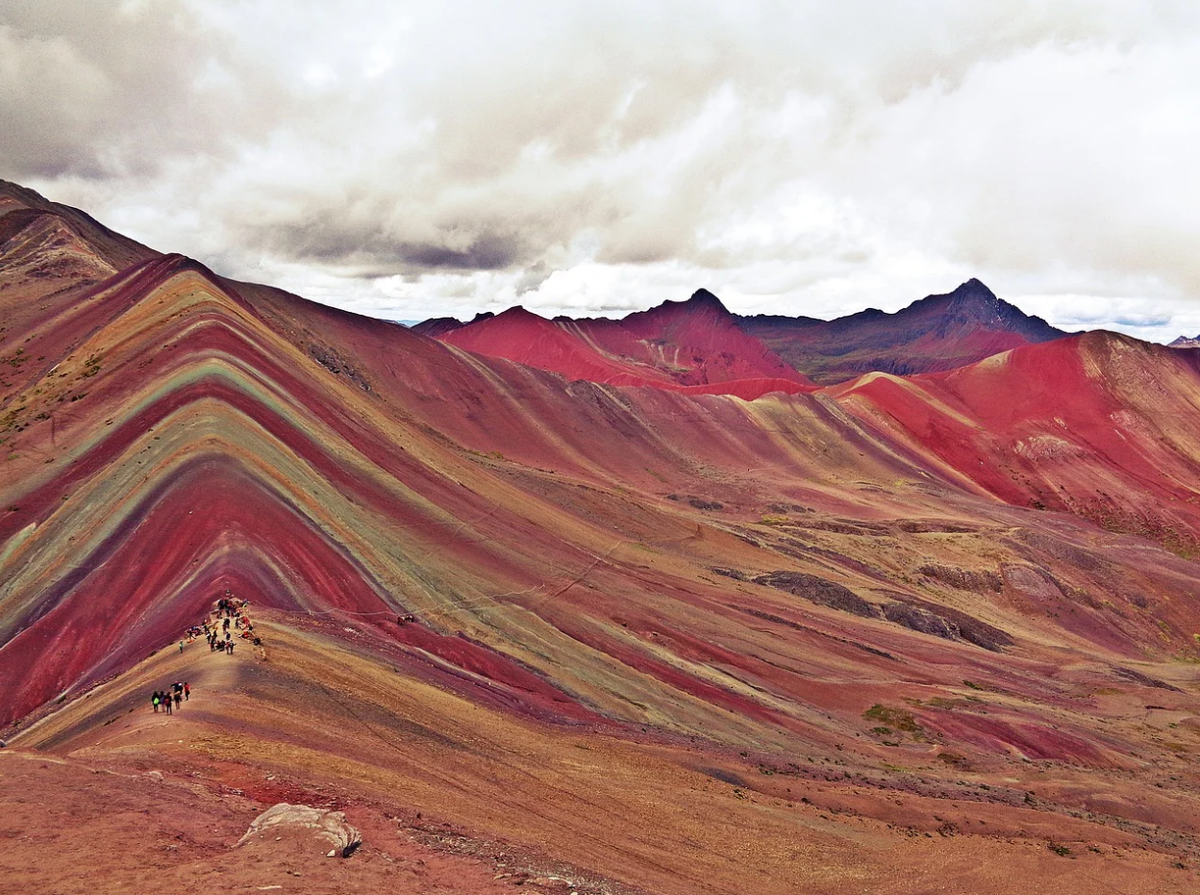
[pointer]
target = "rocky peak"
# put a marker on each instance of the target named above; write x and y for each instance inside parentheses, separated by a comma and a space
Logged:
(703, 298)
(973, 294)
(701, 305)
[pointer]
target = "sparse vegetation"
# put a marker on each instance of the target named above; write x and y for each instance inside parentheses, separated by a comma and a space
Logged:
(953, 759)
(896, 719)
(91, 367)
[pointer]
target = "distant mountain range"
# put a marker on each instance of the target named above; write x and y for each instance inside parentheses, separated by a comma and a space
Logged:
(699, 342)
(936, 333)
(693, 345)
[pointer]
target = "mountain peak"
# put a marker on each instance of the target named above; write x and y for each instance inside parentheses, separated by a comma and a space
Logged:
(974, 306)
(517, 315)
(701, 303)
(937, 332)
(702, 297)
(975, 283)
(974, 289)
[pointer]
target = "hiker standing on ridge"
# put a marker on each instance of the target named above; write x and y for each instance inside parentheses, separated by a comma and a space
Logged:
(155, 699)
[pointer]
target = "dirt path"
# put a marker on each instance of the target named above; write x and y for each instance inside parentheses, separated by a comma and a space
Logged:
(210, 674)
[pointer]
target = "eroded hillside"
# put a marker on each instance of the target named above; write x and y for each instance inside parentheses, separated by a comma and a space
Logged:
(678, 641)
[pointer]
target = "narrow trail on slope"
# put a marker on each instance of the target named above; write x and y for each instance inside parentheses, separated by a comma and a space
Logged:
(226, 627)
(130, 693)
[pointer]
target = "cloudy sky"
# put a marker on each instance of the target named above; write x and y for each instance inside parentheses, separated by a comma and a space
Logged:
(408, 159)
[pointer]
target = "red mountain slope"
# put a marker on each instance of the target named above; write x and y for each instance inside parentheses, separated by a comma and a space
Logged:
(1099, 424)
(678, 344)
(697, 337)
(632, 608)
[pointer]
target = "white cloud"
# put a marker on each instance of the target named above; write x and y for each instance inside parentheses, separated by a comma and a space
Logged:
(412, 159)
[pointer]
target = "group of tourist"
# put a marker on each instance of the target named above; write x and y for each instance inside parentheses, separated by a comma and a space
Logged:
(171, 698)
(220, 635)
(218, 629)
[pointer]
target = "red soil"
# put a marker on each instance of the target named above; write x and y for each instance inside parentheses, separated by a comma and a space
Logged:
(695, 345)
(592, 674)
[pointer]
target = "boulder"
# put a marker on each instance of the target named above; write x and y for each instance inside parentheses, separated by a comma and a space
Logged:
(820, 591)
(328, 827)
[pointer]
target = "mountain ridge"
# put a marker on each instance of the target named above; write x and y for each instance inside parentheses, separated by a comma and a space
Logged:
(689, 344)
(935, 333)
(553, 614)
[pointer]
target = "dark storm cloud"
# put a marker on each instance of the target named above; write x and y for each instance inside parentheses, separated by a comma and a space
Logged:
(366, 240)
(376, 256)
(487, 252)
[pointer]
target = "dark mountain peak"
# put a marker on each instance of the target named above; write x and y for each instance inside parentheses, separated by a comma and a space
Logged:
(515, 316)
(1185, 342)
(971, 294)
(704, 298)
(973, 305)
(974, 287)
(701, 303)
(938, 332)
(437, 326)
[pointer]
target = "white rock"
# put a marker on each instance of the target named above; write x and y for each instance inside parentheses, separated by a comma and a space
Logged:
(328, 826)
